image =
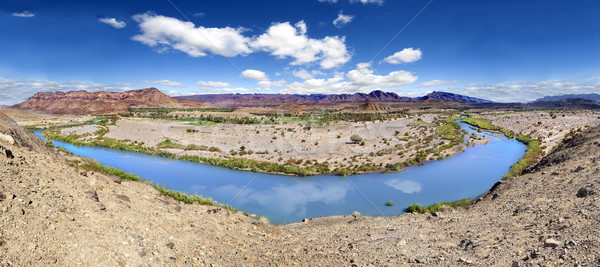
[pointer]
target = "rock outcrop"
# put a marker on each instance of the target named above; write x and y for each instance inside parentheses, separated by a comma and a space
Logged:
(82, 102)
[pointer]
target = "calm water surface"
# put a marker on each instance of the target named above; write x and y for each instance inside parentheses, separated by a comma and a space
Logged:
(285, 199)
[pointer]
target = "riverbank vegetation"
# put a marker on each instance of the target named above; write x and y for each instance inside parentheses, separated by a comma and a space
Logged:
(416, 208)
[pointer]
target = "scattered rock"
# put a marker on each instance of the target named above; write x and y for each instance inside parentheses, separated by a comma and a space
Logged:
(171, 245)
(49, 260)
(92, 194)
(551, 243)
(305, 220)
(123, 197)
(496, 195)
(466, 243)
(587, 190)
(9, 154)
(578, 169)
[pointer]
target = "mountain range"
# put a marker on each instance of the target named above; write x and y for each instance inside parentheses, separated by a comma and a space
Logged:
(76, 102)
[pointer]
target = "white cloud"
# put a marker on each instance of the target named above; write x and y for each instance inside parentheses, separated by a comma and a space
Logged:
(267, 85)
(284, 40)
(406, 186)
(342, 20)
(379, 2)
(164, 32)
(256, 75)
(281, 39)
(212, 84)
(164, 83)
(361, 79)
(407, 55)
(113, 22)
(328, 1)
(437, 83)
(302, 74)
(14, 92)
(23, 14)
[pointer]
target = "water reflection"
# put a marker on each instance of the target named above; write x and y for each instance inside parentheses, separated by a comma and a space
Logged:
(406, 186)
(290, 199)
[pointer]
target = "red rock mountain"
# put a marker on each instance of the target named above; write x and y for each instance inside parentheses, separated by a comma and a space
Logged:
(75, 102)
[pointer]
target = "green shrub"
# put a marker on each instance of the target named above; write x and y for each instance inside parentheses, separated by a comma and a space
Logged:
(355, 138)
(389, 203)
(168, 144)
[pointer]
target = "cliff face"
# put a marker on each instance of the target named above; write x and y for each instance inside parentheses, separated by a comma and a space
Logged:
(102, 102)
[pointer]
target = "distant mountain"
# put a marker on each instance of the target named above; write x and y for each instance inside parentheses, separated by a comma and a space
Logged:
(595, 97)
(266, 100)
(568, 103)
(76, 102)
(453, 97)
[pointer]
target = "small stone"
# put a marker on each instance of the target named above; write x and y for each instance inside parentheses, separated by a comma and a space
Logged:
(123, 197)
(91, 194)
(142, 253)
(9, 154)
(49, 260)
(585, 191)
(173, 259)
(115, 179)
(515, 264)
(496, 195)
(467, 261)
(304, 220)
(551, 243)
(171, 245)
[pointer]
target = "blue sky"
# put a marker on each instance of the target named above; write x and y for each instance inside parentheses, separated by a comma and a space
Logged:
(498, 50)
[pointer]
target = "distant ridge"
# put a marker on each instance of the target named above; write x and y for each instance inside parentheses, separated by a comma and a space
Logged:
(595, 97)
(76, 102)
(453, 97)
(254, 100)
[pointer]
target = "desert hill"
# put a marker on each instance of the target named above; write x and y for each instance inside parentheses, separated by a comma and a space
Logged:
(56, 215)
(76, 102)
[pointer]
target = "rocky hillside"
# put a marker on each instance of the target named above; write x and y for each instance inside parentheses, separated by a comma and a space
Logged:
(82, 102)
(52, 214)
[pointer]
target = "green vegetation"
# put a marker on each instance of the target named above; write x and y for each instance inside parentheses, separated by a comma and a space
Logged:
(92, 165)
(389, 203)
(168, 144)
(416, 208)
(533, 153)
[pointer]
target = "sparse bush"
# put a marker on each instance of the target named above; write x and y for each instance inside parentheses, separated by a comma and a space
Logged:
(389, 203)
(355, 138)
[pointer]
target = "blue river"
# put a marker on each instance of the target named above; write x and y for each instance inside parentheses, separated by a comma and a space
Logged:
(285, 199)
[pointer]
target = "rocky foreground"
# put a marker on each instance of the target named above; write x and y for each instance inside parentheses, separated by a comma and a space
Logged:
(54, 214)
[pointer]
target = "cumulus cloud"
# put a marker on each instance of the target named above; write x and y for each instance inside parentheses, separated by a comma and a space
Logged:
(14, 92)
(267, 85)
(436, 83)
(164, 32)
(361, 79)
(282, 40)
(113, 22)
(256, 75)
(302, 74)
(164, 83)
(23, 14)
(212, 84)
(379, 2)
(407, 55)
(342, 20)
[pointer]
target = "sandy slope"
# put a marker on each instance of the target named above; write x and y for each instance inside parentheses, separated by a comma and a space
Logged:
(51, 214)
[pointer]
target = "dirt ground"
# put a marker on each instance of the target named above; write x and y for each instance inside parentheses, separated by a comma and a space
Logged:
(52, 214)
